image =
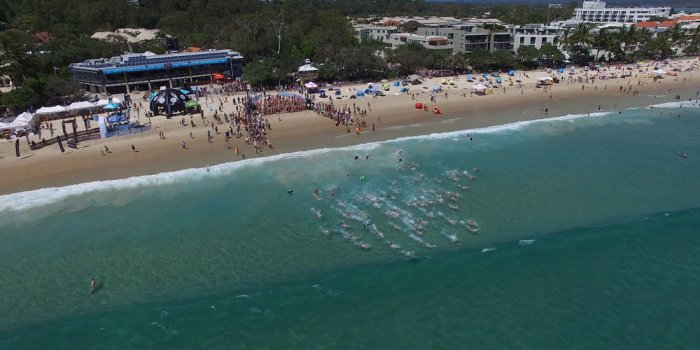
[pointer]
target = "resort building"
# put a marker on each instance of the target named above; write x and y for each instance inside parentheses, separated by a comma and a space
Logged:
(148, 71)
(365, 32)
(535, 35)
(431, 42)
(595, 11)
(468, 37)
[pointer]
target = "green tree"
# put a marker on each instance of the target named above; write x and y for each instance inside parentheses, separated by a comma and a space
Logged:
(410, 58)
(14, 60)
(504, 59)
(19, 100)
(550, 54)
(528, 55)
(481, 59)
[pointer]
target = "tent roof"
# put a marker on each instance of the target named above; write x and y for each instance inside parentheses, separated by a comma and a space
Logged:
(49, 110)
(81, 105)
(104, 102)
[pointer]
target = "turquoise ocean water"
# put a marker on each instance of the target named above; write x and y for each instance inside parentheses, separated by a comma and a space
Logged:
(574, 232)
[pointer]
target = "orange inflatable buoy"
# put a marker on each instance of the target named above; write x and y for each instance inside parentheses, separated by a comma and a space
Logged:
(419, 105)
(436, 110)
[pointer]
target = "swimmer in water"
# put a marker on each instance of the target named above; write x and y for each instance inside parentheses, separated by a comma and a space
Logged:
(290, 191)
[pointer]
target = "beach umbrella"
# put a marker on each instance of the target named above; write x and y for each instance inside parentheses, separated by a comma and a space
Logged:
(185, 91)
(384, 81)
(219, 76)
(311, 85)
(560, 70)
(112, 106)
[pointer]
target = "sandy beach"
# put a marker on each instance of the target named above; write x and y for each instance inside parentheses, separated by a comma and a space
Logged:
(391, 116)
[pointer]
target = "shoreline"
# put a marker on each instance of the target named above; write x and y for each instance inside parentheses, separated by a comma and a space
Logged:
(392, 116)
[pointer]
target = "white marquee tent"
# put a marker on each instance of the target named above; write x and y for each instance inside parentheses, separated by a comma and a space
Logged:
(77, 106)
(51, 110)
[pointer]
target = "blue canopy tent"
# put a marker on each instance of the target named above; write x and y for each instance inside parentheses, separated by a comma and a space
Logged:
(470, 77)
(115, 118)
(337, 92)
(437, 88)
(485, 75)
(374, 89)
(511, 72)
(498, 80)
(404, 89)
(560, 70)
(397, 83)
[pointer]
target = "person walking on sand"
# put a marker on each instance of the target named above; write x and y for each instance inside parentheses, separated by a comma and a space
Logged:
(133, 148)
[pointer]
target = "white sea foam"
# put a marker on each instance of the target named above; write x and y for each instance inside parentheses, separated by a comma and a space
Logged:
(24, 200)
(678, 104)
(42, 197)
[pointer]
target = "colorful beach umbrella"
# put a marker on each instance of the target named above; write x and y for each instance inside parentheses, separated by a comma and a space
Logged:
(112, 106)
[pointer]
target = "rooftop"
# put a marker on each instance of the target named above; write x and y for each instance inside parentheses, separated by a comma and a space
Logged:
(150, 61)
(131, 35)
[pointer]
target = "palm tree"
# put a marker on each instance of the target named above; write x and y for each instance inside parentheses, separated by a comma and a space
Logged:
(693, 38)
(659, 47)
(605, 42)
(566, 41)
(582, 35)
(676, 36)
(628, 38)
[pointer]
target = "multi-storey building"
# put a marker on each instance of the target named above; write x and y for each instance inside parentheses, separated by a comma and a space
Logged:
(375, 32)
(595, 11)
(468, 37)
(143, 70)
(431, 42)
(535, 35)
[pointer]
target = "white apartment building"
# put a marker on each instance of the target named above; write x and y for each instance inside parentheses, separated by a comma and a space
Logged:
(376, 32)
(432, 42)
(535, 35)
(595, 11)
